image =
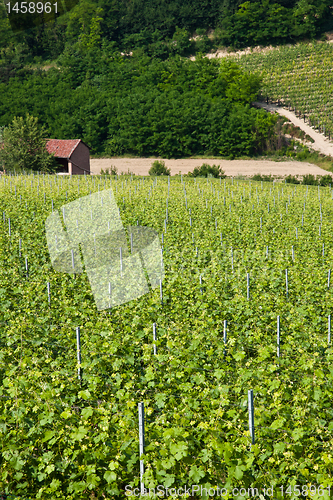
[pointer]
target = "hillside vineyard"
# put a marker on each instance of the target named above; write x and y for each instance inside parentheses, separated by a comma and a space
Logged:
(245, 305)
(299, 77)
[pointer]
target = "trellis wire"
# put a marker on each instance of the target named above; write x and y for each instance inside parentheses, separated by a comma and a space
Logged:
(48, 292)
(248, 286)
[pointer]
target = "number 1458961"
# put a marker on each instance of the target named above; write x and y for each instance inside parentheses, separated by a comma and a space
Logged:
(305, 490)
(32, 7)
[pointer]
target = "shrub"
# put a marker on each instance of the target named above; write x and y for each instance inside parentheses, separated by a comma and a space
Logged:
(309, 180)
(109, 171)
(158, 168)
(320, 180)
(207, 170)
(259, 177)
(324, 180)
(291, 179)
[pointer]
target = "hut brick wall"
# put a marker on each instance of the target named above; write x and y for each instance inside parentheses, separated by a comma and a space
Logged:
(80, 156)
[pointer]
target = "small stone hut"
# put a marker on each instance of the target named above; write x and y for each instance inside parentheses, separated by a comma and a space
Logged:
(72, 155)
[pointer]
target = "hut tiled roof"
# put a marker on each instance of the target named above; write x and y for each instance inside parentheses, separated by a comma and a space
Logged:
(62, 148)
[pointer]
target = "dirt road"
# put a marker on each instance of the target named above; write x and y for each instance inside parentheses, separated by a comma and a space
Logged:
(321, 144)
(141, 166)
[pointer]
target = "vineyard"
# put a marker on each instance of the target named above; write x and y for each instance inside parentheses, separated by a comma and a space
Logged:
(299, 77)
(245, 305)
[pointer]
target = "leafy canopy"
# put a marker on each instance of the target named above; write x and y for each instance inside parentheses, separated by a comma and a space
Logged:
(158, 168)
(206, 170)
(23, 146)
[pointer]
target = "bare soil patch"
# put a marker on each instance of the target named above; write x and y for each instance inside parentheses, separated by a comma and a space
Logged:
(141, 166)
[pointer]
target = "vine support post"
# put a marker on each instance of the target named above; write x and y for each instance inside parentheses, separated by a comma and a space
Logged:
(329, 330)
(161, 292)
(78, 352)
(154, 338)
(141, 444)
(251, 414)
(73, 264)
(278, 336)
(328, 278)
(224, 334)
(287, 283)
(48, 292)
(248, 286)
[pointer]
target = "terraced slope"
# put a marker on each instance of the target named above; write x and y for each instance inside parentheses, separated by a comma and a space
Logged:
(300, 77)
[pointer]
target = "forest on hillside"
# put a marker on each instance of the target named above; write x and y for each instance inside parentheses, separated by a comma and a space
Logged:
(144, 106)
(118, 75)
(164, 26)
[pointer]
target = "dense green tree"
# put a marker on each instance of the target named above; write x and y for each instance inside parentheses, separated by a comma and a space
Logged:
(264, 22)
(164, 27)
(23, 147)
(158, 168)
(142, 106)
